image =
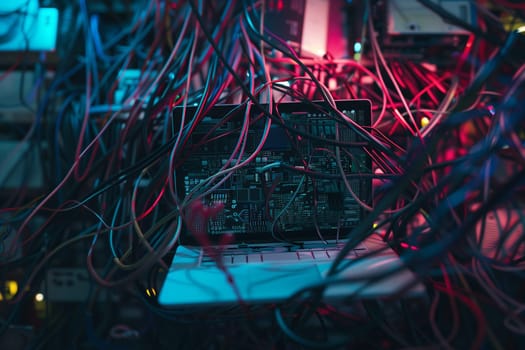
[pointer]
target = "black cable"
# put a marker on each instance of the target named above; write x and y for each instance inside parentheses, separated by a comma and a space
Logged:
(470, 95)
(356, 128)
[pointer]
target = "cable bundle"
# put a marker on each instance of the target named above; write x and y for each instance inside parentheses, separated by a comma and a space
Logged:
(446, 144)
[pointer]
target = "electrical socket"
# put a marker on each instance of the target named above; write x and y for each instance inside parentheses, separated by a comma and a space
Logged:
(70, 285)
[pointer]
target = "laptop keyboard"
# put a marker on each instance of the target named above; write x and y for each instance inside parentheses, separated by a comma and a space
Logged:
(311, 255)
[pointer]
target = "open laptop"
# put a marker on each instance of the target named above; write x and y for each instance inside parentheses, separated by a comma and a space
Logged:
(286, 212)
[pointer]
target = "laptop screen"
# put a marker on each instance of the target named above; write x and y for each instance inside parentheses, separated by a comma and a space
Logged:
(278, 175)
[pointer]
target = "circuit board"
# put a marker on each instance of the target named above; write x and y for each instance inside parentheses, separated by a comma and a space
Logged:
(293, 185)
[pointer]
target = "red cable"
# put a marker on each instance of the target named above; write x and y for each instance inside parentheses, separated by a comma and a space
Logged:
(11, 68)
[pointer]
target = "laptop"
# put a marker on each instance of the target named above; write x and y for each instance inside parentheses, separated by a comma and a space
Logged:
(269, 210)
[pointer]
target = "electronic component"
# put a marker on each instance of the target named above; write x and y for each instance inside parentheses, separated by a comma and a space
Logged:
(411, 17)
(128, 81)
(312, 27)
(25, 26)
(70, 285)
(285, 19)
(278, 190)
(410, 30)
(22, 167)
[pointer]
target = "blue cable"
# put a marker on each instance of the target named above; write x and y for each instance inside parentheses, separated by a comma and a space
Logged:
(96, 39)
(113, 220)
